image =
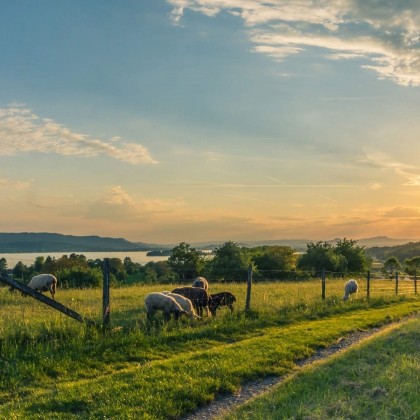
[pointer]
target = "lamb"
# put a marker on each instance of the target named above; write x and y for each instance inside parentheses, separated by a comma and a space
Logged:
(197, 295)
(201, 282)
(159, 302)
(43, 283)
(184, 302)
(349, 288)
(221, 299)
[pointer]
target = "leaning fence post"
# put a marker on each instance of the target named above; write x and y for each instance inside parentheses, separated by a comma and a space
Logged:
(368, 285)
(396, 283)
(323, 283)
(106, 309)
(248, 289)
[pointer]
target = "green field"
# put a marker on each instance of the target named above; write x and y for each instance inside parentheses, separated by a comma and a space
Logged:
(53, 367)
(378, 379)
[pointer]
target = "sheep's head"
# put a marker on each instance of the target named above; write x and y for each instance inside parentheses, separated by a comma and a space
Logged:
(178, 312)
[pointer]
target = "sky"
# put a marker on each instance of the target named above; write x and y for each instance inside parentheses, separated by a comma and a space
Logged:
(210, 120)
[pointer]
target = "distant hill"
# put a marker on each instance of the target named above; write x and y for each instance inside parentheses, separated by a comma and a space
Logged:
(55, 242)
(409, 250)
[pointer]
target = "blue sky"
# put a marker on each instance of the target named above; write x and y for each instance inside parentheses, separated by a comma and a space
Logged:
(209, 120)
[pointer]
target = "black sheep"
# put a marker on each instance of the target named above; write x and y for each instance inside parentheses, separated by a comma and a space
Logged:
(221, 299)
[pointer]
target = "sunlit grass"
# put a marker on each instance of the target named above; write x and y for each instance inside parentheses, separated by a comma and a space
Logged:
(42, 349)
(378, 379)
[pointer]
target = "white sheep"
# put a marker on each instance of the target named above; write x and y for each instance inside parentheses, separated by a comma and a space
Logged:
(201, 282)
(159, 302)
(43, 283)
(184, 302)
(349, 288)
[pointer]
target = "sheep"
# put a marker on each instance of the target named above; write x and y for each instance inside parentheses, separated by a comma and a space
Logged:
(168, 305)
(201, 282)
(221, 299)
(349, 288)
(184, 302)
(197, 295)
(43, 283)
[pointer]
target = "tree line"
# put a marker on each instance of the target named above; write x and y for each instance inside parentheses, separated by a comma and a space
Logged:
(227, 263)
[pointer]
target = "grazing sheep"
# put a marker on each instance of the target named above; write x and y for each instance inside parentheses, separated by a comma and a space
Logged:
(184, 303)
(160, 302)
(349, 288)
(221, 299)
(43, 283)
(197, 295)
(201, 282)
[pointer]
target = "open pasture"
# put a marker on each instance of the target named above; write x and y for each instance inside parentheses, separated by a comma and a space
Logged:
(52, 366)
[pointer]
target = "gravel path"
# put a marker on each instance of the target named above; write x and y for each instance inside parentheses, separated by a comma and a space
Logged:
(224, 404)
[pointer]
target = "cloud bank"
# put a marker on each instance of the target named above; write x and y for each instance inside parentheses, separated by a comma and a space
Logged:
(22, 131)
(384, 36)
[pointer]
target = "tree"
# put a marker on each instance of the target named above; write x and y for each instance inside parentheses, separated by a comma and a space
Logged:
(185, 261)
(391, 266)
(355, 259)
(412, 265)
(3, 265)
(274, 258)
(320, 256)
(230, 262)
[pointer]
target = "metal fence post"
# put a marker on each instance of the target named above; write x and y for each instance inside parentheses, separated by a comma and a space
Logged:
(323, 283)
(396, 283)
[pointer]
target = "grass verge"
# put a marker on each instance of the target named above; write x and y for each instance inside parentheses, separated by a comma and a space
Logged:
(377, 379)
(172, 374)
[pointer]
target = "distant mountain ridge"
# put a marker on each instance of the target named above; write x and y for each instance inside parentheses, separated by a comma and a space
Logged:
(56, 242)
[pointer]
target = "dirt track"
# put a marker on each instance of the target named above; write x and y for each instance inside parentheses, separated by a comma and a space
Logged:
(222, 405)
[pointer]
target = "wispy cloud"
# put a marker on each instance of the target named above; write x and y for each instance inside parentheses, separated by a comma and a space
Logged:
(14, 184)
(23, 131)
(385, 36)
(409, 172)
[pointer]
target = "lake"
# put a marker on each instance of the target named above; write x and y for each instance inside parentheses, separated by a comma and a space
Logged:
(29, 257)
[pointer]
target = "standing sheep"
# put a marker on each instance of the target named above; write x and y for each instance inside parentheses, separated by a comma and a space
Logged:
(221, 299)
(349, 288)
(201, 282)
(43, 283)
(159, 302)
(197, 295)
(184, 303)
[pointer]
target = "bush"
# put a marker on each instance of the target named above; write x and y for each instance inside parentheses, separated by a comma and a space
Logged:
(79, 277)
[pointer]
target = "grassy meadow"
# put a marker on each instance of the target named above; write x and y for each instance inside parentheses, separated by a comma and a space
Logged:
(54, 367)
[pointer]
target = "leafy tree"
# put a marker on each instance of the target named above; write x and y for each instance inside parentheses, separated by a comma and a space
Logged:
(230, 262)
(80, 277)
(3, 265)
(274, 258)
(39, 264)
(19, 270)
(185, 261)
(320, 256)
(391, 266)
(412, 265)
(355, 259)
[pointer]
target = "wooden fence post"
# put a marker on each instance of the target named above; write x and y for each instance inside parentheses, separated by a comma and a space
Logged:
(415, 282)
(323, 283)
(106, 309)
(368, 285)
(396, 283)
(248, 289)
